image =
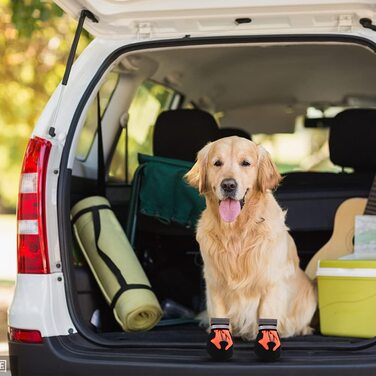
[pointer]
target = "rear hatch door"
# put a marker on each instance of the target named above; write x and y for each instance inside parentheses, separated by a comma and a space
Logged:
(177, 18)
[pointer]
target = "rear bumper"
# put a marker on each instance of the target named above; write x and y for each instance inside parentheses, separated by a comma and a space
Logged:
(71, 355)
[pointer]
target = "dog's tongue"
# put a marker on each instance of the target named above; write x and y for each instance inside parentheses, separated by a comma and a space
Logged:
(229, 209)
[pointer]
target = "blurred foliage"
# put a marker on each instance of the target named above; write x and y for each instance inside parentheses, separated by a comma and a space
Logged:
(31, 15)
(35, 39)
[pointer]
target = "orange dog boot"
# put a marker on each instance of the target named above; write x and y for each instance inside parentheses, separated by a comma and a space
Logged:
(268, 343)
(220, 344)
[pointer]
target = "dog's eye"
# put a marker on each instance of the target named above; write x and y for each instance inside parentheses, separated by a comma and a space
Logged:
(218, 163)
(245, 163)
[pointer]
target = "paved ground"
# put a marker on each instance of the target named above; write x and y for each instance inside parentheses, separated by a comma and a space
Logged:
(7, 269)
(8, 258)
(6, 293)
(7, 277)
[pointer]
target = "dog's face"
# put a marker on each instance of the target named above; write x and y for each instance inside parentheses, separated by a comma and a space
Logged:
(230, 169)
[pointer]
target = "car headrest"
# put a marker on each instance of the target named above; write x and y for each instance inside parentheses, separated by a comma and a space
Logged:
(227, 132)
(352, 139)
(180, 134)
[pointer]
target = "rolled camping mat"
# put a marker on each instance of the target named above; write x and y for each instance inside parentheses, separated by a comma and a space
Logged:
(114, 265)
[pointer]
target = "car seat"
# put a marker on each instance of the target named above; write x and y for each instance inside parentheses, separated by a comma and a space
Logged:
(312, 198)
(227, 132)
(180, 134)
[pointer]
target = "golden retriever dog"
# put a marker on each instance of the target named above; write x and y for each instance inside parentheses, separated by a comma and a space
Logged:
(251, 266)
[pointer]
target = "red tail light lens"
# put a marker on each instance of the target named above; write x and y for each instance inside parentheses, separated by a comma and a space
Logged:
(31, 216)
(25, 335)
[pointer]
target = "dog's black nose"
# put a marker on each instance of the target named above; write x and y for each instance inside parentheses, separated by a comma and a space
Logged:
(229, 185)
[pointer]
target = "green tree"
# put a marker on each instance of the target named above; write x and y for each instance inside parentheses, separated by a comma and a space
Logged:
(31, 15)
(35, 38)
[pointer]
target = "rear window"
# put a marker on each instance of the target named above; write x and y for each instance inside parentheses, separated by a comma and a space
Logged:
(150, 100)
(90, 127)
(306, 149)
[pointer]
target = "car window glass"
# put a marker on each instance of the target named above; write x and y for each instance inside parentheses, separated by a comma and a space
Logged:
(90, 127)
(307, 149)
(150, 100)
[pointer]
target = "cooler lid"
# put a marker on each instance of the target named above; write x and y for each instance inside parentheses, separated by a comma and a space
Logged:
(346, 268)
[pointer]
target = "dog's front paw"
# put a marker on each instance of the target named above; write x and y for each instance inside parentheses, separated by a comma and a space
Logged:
(220, 343)
(268, 343)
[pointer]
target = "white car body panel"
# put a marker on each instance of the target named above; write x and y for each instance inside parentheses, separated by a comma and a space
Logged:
(40, 303)
(174, 18)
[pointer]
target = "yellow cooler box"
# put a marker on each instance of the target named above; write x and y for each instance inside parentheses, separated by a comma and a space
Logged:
(347, 297)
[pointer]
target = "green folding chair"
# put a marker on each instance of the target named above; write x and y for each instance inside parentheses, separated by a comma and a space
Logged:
(160, 191)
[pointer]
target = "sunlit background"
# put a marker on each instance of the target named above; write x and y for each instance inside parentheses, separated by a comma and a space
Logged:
(34, 41)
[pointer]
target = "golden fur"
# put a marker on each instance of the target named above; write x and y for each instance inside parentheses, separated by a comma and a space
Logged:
(251, 266)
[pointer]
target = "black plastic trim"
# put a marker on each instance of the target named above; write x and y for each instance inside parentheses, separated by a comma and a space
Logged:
(70, 355)
(64, 226)
(72, 53)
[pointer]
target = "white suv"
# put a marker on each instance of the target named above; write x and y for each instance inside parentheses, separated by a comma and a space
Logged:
(255, 68)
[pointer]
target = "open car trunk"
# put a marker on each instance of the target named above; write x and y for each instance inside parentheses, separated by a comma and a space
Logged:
(265, 81)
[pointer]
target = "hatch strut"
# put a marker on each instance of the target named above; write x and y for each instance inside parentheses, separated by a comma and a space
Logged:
(72, 53)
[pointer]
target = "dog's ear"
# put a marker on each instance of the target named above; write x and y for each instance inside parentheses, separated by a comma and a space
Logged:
(268, 176)
(196, 176)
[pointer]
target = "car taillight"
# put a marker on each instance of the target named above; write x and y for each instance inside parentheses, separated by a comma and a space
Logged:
(25, 335)
(32, 251)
